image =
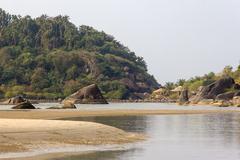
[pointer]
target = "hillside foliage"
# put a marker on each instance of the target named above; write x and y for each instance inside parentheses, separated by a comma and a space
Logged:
(49, 57)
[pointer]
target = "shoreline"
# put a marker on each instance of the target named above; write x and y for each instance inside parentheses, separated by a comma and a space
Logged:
(51, 114)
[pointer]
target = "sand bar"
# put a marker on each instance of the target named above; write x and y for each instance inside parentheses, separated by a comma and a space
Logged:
(17, 135)
(58, 114)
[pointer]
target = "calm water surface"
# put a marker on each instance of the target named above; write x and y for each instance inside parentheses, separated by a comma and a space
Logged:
(170, 137)
(184, 137)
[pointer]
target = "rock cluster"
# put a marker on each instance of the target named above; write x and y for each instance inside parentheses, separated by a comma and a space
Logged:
(215, 93)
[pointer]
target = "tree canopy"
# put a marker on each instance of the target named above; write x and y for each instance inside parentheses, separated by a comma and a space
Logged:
(51, 57)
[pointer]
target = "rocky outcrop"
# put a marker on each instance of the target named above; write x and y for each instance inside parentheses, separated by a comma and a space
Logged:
(24, 105)
(87, 95)
(225, 96)
(15, 100)
(211, 91)
(183, 98)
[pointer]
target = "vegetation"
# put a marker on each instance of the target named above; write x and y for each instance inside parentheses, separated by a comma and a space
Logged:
(194, 83)
(49, 57)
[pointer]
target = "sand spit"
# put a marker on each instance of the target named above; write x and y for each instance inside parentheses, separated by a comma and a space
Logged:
(17, 135)
(59, 114)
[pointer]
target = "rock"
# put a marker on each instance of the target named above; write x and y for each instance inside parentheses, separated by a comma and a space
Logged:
(87, 95)
(214, 89)
(225, 104)
(225, 96)
(206, 102)
(236, 101)
(237, 93)
(24, 105)
(236, 86)
(183, 98)
(15, 100)
(68, 105)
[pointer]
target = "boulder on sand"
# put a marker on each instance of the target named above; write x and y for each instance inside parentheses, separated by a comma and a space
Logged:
(214, 89)
(24, 105)
(87, 95)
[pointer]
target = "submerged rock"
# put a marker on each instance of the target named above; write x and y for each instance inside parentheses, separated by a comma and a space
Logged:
(68, 105)
(24, 105)
(87, 95)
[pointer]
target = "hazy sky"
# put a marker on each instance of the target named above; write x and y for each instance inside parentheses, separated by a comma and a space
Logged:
(177, 38)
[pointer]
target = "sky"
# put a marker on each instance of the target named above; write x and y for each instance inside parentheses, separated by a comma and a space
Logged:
(177, 38)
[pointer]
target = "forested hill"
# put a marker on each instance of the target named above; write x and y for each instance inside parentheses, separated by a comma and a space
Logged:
(50, 57)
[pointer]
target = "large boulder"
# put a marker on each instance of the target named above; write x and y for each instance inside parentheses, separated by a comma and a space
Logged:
(87, 95)
(15, 100)
(183, 98)
(225, 96)
(24, 105)
(214, 89)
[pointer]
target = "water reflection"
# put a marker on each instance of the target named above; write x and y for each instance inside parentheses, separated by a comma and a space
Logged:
(188, 137)
(127, 123)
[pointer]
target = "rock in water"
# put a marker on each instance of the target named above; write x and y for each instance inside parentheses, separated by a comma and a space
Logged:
(24, 105)
(183, 96)
(214, 89)
(15, 100)
(68, 105)
(87, 95)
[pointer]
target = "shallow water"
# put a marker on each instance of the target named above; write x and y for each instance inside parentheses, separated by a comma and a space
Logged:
(188, 137)
(112, 106)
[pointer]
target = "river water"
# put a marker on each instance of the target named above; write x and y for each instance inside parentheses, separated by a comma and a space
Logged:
(170, 137)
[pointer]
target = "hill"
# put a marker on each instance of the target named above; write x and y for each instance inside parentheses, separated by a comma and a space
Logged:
(50, 57)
